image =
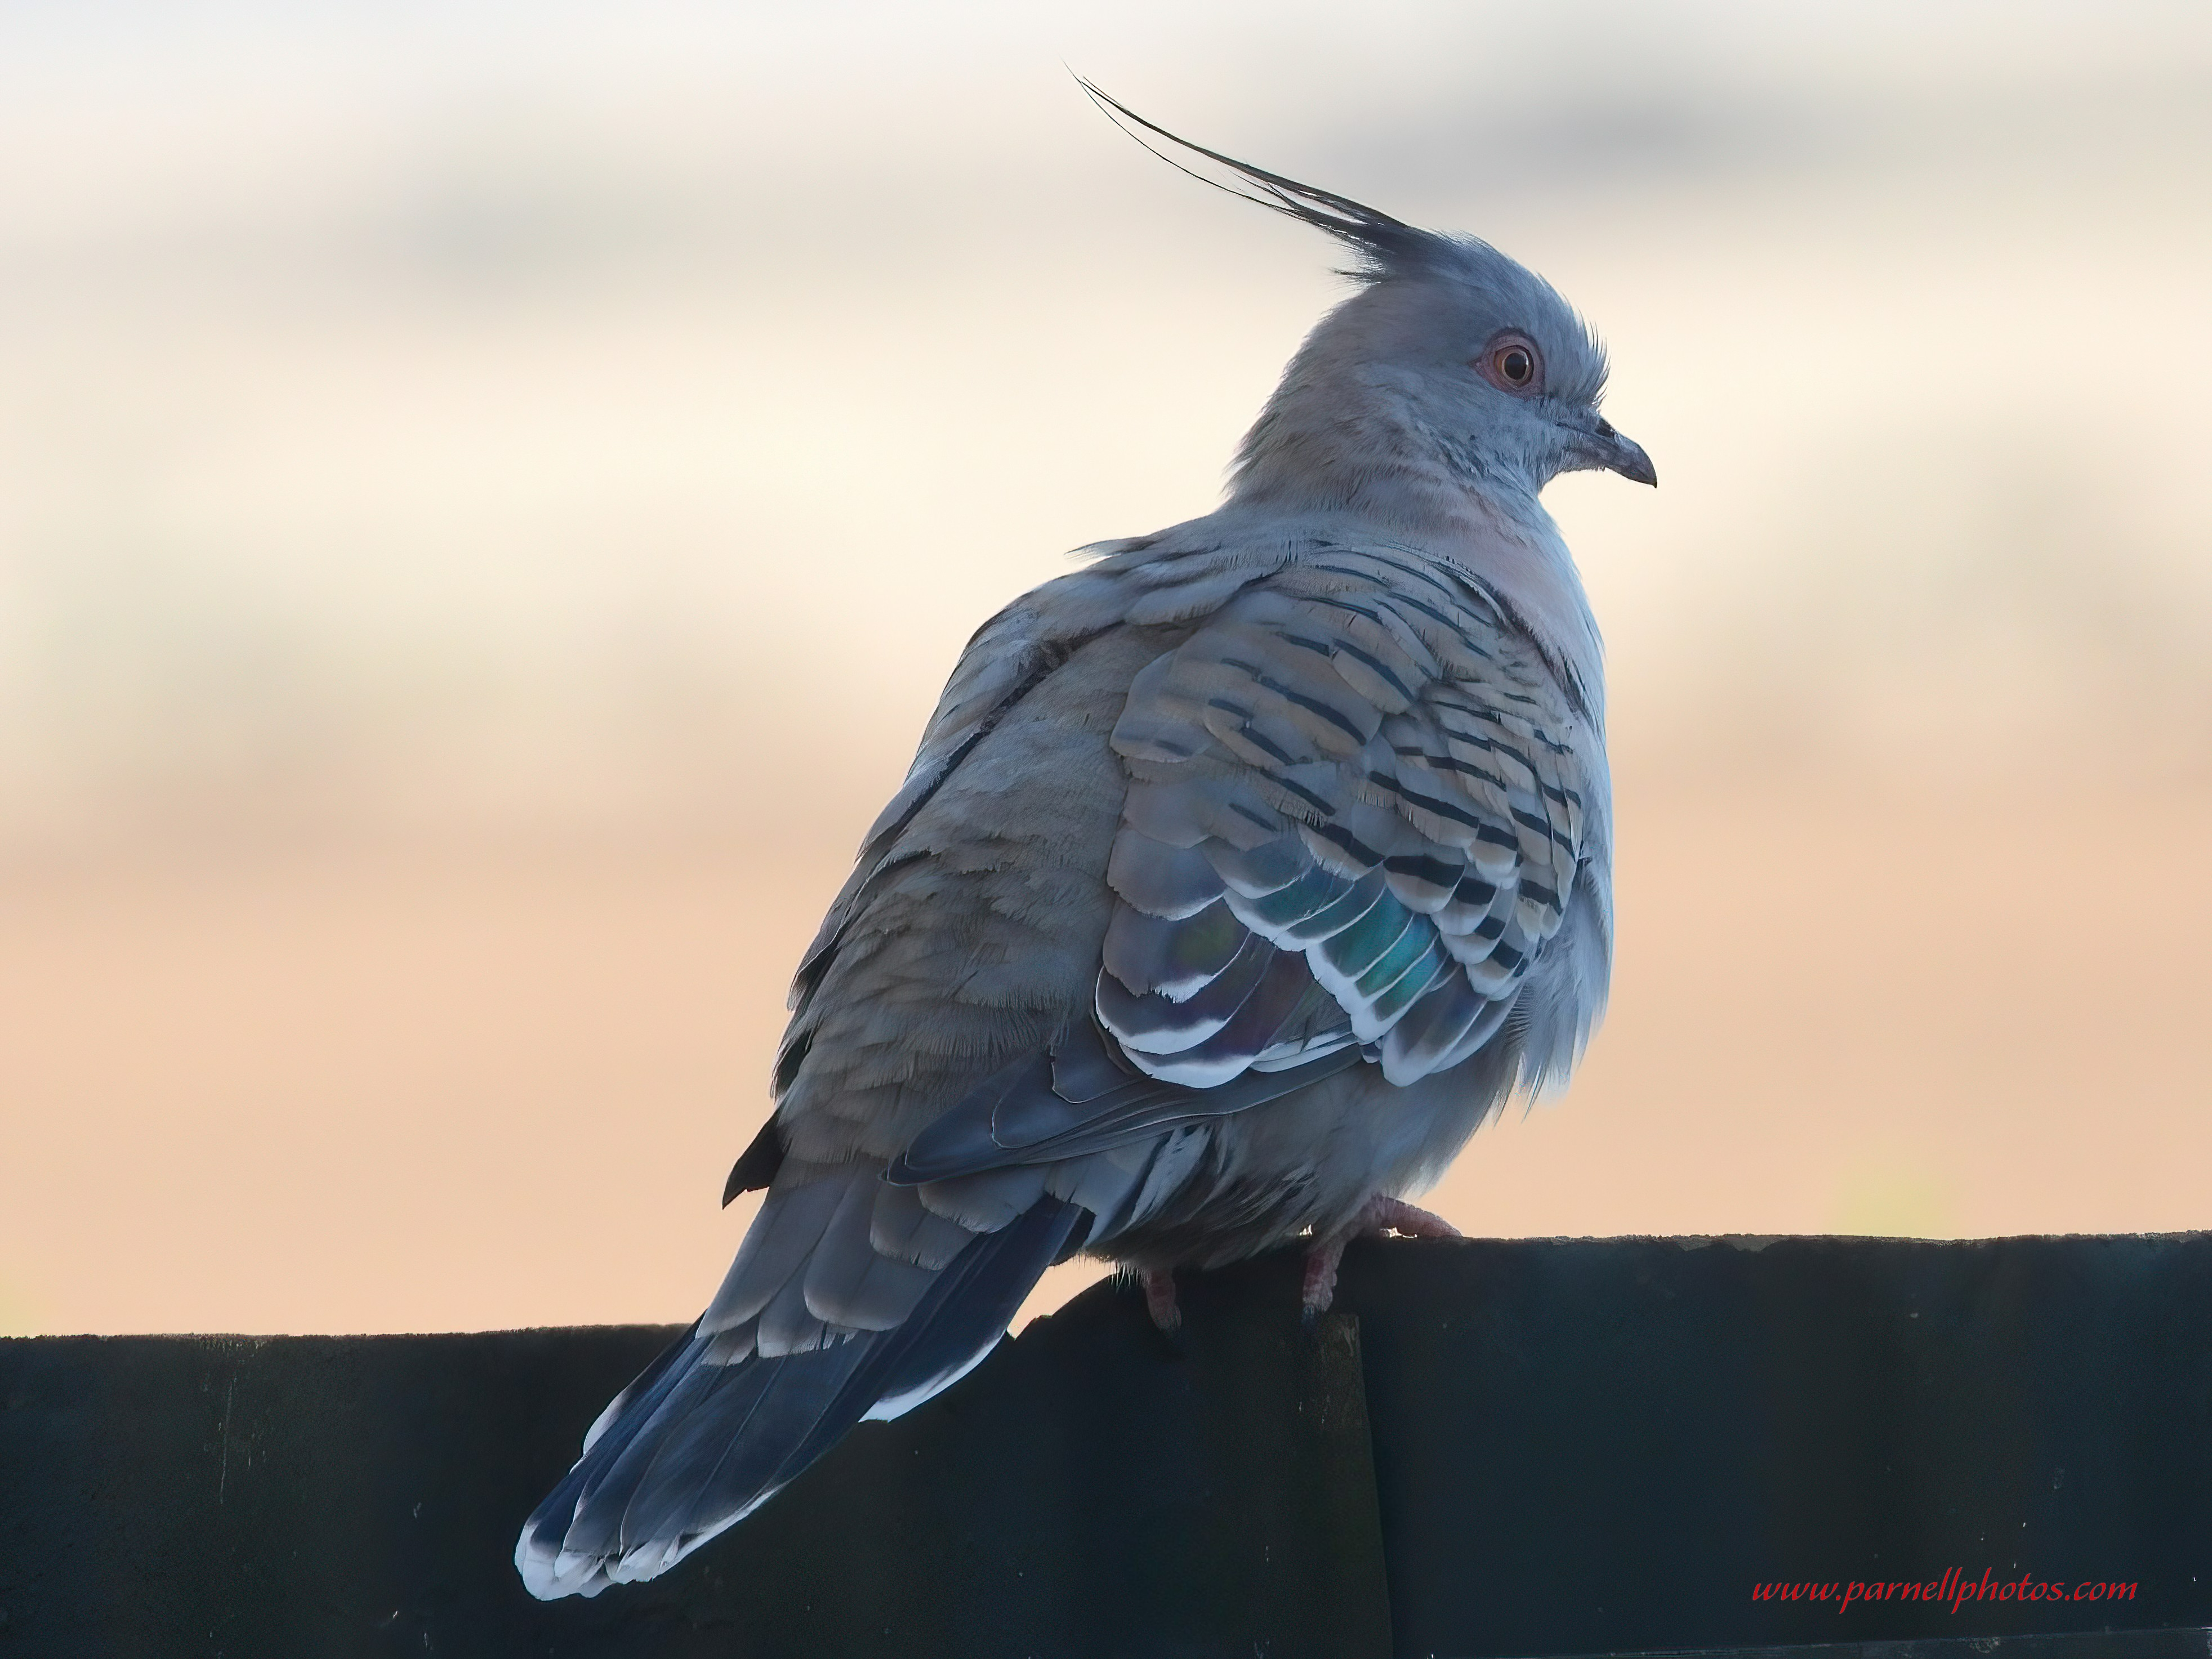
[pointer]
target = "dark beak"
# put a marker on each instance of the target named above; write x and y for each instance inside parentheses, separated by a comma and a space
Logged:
(1601, 447)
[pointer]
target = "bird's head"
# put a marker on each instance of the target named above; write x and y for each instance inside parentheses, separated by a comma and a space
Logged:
(1453, 368)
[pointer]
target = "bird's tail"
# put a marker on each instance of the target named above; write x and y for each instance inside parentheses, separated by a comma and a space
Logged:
(713, 1428)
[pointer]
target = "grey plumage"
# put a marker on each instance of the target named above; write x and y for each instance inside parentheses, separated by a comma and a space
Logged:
(1240, 876)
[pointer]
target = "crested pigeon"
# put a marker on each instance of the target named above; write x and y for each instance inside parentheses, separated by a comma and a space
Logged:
(1240, 875)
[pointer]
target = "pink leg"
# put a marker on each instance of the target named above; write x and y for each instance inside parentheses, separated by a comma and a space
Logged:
(1160, 1299)
(1379, 1216)
(1321, 1276)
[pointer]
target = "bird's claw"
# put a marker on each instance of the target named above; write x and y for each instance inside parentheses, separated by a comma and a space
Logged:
(1380, 1215)
(1160, 1300)
(1319, 1289)
(1378, 1218)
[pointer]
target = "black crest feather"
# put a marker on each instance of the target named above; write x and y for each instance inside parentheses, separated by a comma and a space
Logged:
(1387, 247)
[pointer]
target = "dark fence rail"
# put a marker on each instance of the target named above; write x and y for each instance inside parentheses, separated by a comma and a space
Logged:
(1537, 1448)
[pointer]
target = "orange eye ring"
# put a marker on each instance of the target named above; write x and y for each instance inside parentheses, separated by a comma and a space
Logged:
(1512, 364)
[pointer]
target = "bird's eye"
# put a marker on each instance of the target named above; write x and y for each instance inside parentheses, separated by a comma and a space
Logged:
(1511, 363)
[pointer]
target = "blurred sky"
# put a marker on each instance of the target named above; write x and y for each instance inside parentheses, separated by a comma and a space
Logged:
(488, 494)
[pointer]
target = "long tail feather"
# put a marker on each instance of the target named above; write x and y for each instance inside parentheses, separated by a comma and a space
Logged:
(693, 1446)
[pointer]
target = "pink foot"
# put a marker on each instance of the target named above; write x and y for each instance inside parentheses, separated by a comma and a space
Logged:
(1377, 1217)
(1160, 1299)
(1393, 1215)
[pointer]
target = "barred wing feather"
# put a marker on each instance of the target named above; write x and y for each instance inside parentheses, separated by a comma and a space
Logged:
(1354, 816)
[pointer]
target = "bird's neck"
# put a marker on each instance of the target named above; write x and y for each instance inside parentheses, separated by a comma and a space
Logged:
(1357, 457)
(1338, 443)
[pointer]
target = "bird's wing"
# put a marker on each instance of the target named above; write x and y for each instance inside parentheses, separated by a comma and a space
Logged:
(1145, 583)
(1356, 813)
